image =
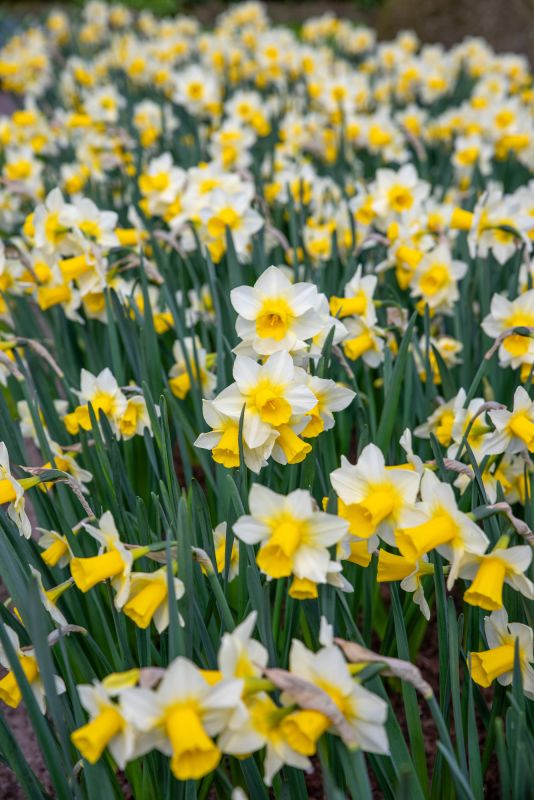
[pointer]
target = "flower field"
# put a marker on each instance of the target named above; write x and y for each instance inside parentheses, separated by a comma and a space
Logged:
(266, 416)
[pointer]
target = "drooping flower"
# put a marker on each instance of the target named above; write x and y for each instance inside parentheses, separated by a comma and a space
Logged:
(497, 663)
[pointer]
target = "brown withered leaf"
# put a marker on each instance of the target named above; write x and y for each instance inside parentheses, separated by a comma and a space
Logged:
(395, 667)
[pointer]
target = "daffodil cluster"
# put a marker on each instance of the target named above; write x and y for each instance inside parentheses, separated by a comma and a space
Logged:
(266, 408)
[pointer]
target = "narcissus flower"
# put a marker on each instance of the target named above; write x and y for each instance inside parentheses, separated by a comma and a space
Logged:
(436, 278)
(107, 726)
(364, 340)
(239, 655)
(358, 299)
(372, 496)
(105, 396)
(49, 597)
(364, 712)
(113, 562)
(183, 716)
(497, 663)
(273, 394)
(330, 397)
(191, 361)
(12, 492)
(10, 692)
(514, 430)
(275, 314)
(148, 598)
(223, 441)
(392, 567)
(436, 522)
(262, 727)
(441, 421)
(56, 550)
(489, 573)
(294, 536)
(219, 543)
(518, 348)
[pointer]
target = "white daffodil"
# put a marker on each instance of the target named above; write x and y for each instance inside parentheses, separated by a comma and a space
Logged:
(363, 711)
(372, 497)
(10, 692)
(219, 544)
(107, 727)
(504, 315)
(49, 597)
(56, 550)
(114, 561)
(330, 397)
(262, 727)
(294, 537)
(12, 492)
(272, 393)
(364, 341)
(161, 184)
(183, 716)
(358, 298)
(393, 567)
(55, 226)
(191, 351)
(490, 571)
(441, 421)
(514, 430)
(105, 396)
(397, 192)
(498, 661)
(472, 422)
(239, 655)
(275, 314)
(223, 441)
(436, 278)
(148, 598)
(436, 522)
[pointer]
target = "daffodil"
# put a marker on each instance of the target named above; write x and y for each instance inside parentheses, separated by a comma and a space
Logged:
(436, 522)
(107, 727)
(10, 692)
(497, 663)
(12, 492)
(239, 655)
(517, 348)
(272, 393)
(392, 567)
(373, 498)
(514, 430)
(113, 562)
(105, 396)
(364, 341)
(223, 441)
(358, 299)
(49, 597)
(219, 543)
(490, 571)
(441, 421)
(436, 279)
(56, 549)
(148, 598)
(183, 716)
(275, 314)
(364, 712)
(180, 374)
(294, 537)
(330, 397)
